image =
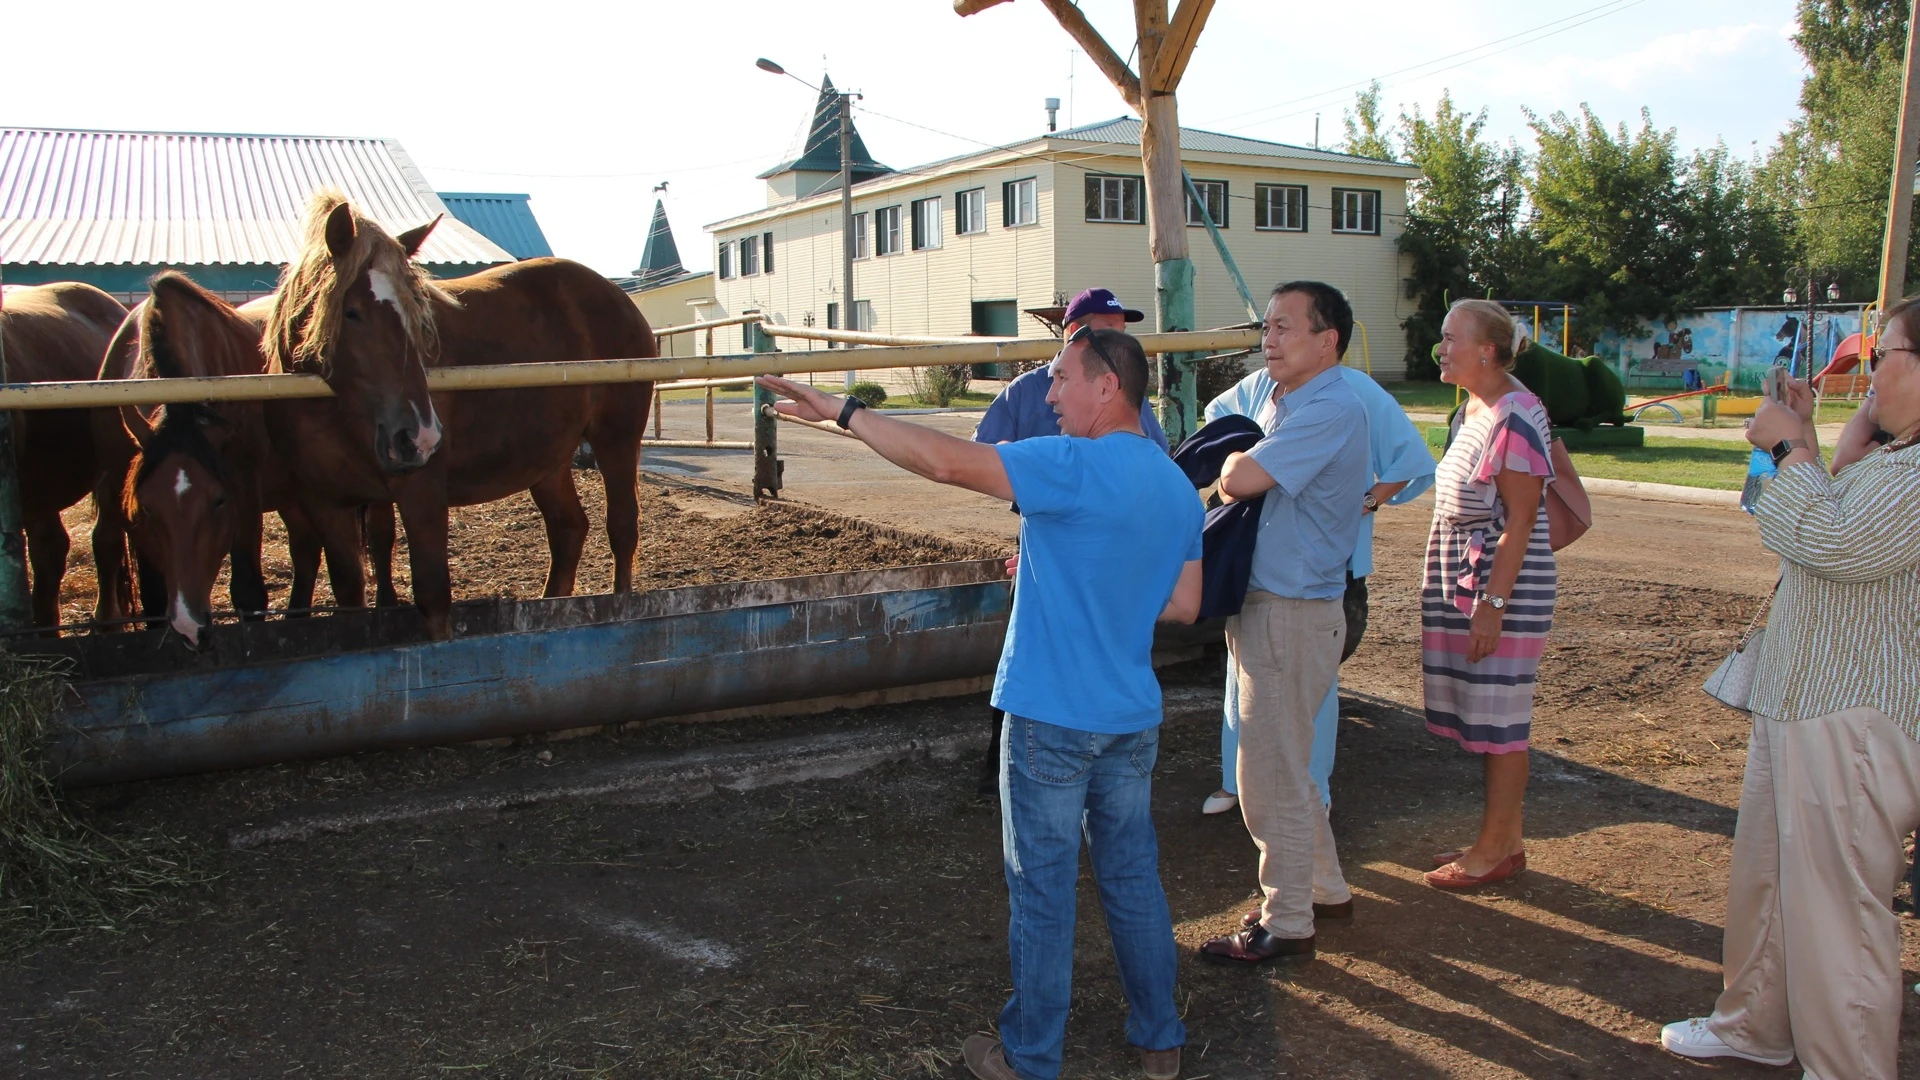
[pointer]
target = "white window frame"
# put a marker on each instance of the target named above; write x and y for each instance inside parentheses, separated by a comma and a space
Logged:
(970, 212)
(927, 223)
(862, 232)
(1113, 196)
(1023, 202)
(886, 231)
(1193, 208)
(749, 256)
(1351, 211)
(1263, 206)
(725, 260)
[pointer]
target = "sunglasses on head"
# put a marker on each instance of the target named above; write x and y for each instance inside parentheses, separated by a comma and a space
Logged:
(1880, 352)
(1085, 333)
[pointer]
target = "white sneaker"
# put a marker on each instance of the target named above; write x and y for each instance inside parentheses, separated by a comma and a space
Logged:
(1692, 1038)
(1219, 803)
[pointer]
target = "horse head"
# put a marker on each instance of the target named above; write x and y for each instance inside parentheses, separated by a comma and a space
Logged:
(180, 507)
(354, 308)
(181, 501)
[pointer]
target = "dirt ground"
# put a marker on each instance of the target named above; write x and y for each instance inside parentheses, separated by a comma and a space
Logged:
(856, 927)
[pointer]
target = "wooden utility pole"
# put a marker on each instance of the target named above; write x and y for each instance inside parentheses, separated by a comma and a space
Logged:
(1893, 254)
(1164, 47)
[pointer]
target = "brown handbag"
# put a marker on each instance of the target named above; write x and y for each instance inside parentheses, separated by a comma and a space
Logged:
(1569, 511)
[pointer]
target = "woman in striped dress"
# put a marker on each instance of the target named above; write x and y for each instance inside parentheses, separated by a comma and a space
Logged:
(1488, 599)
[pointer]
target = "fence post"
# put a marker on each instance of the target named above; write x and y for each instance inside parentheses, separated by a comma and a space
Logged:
(16, 610)
(767, 466)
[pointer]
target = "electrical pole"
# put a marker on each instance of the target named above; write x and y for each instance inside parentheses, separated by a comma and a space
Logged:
(846, 220)
(1893, 254)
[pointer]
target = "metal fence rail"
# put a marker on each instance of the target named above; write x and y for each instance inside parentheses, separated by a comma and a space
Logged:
(116, 392)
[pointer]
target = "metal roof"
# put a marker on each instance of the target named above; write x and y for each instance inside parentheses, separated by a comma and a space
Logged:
(506, 220)
(821, 153)
(660, 259)
(182, 199)
(1125, 131)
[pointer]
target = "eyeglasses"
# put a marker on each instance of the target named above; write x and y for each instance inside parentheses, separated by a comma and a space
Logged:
(1879, 353)
(1085, 333)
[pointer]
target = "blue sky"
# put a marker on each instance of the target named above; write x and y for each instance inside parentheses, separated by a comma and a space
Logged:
(586, 106)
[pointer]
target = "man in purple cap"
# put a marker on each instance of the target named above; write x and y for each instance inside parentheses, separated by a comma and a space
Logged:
(1021, 412)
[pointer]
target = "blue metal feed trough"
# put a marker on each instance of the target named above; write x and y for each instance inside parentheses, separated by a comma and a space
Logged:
(143, 706)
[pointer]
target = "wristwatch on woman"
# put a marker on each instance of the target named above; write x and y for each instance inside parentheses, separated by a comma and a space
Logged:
(1784, 447)
(1497, 603)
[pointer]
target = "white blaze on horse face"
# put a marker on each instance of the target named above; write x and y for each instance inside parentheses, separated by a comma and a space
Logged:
(181, 485)
(184, 623)
(429, 437)
(383, 289)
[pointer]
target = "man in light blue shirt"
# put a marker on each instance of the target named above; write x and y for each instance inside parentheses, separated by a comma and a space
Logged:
(1313, 471)
(1402, 471)
(1109, 542)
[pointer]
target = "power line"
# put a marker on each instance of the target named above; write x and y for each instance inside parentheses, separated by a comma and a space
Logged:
(1327, 97)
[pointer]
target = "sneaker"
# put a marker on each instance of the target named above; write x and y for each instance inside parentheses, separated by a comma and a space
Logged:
(1219, 803)
(1694, 1039)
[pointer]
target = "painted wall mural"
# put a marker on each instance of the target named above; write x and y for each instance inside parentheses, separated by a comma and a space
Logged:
(1710, 342)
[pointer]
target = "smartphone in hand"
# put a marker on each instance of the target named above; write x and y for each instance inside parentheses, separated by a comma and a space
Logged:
(1773, 386)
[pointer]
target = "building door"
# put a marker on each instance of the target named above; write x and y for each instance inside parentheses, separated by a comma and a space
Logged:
(994, 318)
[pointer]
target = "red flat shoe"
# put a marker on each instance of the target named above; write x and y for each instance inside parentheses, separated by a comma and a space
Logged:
(1452, 876)
(1442, 858)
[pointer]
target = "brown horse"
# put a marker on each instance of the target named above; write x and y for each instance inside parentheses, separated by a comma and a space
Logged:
(194, 491)
(53, 333)
(357, 310)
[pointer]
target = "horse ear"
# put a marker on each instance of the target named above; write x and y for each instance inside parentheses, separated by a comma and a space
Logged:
(414, 238)
(136, 426)
(340, 230)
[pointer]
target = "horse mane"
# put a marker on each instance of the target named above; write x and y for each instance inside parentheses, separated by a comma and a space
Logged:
(229, 351)
(305, 323)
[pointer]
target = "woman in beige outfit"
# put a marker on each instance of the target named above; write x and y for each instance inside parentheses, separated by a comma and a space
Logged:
(1812, 950)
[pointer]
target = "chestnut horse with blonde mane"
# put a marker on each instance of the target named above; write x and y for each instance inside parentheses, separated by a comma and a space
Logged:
(356, 310)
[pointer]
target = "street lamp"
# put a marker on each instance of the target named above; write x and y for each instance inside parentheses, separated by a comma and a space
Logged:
(1813, 276)
(846, 193)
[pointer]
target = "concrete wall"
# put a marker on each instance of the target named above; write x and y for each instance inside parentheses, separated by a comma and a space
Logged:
(1712, 341)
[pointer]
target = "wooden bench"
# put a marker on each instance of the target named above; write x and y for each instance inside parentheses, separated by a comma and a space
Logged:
(1849, 385)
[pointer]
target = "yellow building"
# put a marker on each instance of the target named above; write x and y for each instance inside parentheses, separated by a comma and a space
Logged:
(965, 245)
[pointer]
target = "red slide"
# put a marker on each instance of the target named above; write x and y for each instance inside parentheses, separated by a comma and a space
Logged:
(1845, 356)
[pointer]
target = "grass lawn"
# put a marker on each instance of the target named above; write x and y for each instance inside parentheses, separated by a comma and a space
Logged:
(1701, 463)
(972, 399)
(1422, 396)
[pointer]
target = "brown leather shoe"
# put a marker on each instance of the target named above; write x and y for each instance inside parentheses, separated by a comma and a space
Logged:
(1257, 946)
(985, 1059)
(1161, 1064)
(1335, 912)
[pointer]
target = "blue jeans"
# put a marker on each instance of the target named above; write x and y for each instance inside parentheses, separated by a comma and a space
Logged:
(1057, 783)
(1326, 738)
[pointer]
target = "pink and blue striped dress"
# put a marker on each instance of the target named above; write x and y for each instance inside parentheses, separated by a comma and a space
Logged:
(1486, 707)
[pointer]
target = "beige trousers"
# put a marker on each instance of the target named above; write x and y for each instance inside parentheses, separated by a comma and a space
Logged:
(1287, 653)
(1812, 952)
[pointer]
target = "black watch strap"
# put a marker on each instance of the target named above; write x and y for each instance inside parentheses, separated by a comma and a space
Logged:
(847, 410)
(1882, 436)
(1784, 447)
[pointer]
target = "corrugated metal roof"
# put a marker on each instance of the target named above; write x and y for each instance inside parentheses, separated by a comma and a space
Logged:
(1125, 131)
(180, 199)
(506, 220)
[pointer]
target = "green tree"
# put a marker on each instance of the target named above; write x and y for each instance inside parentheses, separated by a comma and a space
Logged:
(1836, 161)
(1366, 137)
(1608, 213)
(1737, 235)
(1463, 235)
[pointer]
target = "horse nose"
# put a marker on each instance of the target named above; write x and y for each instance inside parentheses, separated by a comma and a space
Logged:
(398, 448)
(184, 622)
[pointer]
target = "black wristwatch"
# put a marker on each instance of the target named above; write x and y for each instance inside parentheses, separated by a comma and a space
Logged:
(1881, 437)
(847, 410)
(1784, 447)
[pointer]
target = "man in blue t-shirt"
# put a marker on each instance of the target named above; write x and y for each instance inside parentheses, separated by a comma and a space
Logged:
(1109, 543)
(1024, 411)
